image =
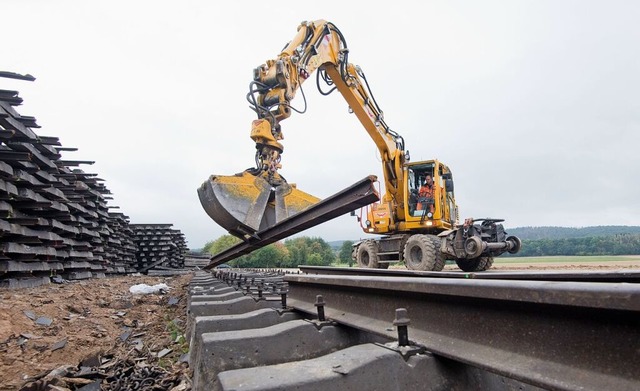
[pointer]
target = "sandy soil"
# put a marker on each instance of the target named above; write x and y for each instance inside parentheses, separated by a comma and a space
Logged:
(89, 323)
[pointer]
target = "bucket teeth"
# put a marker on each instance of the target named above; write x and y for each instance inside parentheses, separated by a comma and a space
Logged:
(245, 204)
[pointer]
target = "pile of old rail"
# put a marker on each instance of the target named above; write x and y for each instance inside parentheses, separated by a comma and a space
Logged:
(258, 330)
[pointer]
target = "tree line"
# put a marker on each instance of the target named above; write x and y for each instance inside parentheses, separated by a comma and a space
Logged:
(550, 232)
(304, 250)
(317, 252)
(620, 244)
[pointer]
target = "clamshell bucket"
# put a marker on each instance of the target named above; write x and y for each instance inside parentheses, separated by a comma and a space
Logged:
(245, 204)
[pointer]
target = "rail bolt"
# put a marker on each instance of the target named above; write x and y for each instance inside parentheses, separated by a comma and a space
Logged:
(260, 287)
(401, 322)
(283, 289)
(320, 304)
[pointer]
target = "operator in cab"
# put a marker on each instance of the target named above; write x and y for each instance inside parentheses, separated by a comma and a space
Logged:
(425, 194)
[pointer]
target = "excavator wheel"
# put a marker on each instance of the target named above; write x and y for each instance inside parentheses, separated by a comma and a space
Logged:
(440, 258)
(479, 264)
(367, 256)
(421, 253)
(485, 263)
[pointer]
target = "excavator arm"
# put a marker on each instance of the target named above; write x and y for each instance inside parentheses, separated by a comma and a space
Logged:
(260, 197)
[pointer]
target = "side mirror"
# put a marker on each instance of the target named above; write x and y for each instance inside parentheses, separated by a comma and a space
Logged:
(448, 183)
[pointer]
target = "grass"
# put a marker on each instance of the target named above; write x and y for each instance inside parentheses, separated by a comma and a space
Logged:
(181, 345)
(546, 259)
(571, 258)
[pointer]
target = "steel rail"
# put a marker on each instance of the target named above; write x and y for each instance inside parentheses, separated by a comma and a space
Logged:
(554, 335)
(355, 196)
(629, 276)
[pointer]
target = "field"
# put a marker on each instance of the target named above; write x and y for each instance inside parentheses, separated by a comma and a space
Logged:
(566, 262)
(571, 259)
(610, 262)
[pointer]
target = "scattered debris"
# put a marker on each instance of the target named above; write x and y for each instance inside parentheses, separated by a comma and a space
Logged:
(92, 360)
(30, 314)
(29, 336)
(124, 336)
(44, 321)
(59, 345)
(95, 386)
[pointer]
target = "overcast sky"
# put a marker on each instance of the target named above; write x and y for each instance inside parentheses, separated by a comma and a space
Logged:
(534, 105)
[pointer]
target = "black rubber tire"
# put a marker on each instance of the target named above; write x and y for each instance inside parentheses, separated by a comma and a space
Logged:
(440, 261)
(485, 264)
(420, 253)
(479, 264)
(367, 256)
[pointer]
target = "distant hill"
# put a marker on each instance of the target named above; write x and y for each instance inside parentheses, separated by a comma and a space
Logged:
(337, 244)
(538, 233)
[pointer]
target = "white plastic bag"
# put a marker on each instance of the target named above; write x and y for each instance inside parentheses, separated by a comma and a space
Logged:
(144, 289)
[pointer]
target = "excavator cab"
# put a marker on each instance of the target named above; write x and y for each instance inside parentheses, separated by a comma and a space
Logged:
(429, 206)
(420, 202)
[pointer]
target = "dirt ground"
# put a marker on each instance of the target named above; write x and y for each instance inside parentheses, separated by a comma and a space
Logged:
(98, 324)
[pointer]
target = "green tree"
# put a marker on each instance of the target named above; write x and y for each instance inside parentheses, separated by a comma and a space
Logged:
(344, 256)
(273, 255)
(222, 243)
(307, 251)
(315, 259)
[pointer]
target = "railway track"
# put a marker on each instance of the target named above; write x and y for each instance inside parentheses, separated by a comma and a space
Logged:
(365, 329)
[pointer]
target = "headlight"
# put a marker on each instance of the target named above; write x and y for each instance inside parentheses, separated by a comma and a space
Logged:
(429, 215)
(368, 223)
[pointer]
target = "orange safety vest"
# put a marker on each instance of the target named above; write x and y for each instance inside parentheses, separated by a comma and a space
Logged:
(425, 192)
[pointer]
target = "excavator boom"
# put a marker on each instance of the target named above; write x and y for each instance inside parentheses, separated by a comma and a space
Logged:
(260, 197)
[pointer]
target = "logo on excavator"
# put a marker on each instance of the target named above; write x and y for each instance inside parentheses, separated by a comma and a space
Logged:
(368, 110)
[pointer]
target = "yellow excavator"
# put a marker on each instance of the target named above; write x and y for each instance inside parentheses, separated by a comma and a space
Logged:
(415, 225)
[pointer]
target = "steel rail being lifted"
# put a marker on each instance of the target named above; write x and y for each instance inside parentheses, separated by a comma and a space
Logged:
(355, 196)
(551, 334)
